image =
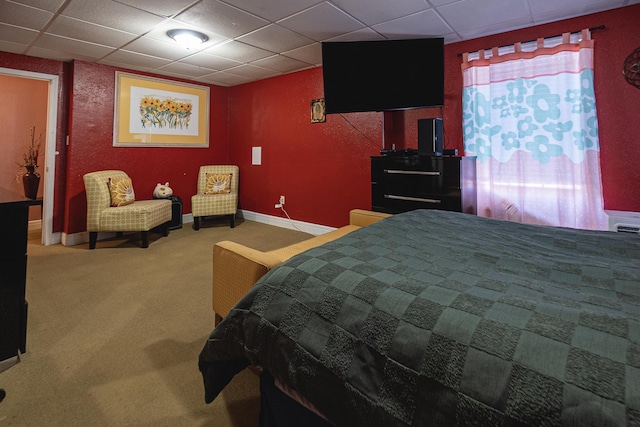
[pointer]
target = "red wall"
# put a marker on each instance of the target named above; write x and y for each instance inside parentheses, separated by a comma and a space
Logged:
(322, 169)
(91, 145)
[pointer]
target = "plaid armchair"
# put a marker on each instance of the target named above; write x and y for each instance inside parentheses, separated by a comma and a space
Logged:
(133, 215)
(217, 193)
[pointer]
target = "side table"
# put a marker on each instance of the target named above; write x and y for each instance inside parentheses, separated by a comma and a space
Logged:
(176, 213)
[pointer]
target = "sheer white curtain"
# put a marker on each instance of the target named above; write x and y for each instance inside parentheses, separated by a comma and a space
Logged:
(530, 118)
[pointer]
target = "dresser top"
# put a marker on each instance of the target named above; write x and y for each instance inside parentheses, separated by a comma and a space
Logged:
(8, 196)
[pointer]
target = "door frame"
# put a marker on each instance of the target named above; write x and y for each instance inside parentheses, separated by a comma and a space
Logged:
(48, 236)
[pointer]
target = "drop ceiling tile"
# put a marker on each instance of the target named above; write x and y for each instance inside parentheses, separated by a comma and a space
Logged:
(281, 63)
(372, 13)
(363, 34)
(252, 72)
(127, 65)
(452, 38)
(495, 28)
(12, 47)
(57, 55)
(166, 8)
(74, 28)
(210, 61)
(113, 15)
(468, 15)
(135, 59)
(272, 10)
(23, 16)
(275, 38)
(72, 46)
(185, 70)
(50, 5)
(224, 79)
(220, 18)
(237, 51)
(170, 74)
(18, 35)
(421, 24)
(485, 31)
(310, 54)
(321, 22)
(548, 10)
(437, 3)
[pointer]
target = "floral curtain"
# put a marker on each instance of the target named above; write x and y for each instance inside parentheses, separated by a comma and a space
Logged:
(530, 118)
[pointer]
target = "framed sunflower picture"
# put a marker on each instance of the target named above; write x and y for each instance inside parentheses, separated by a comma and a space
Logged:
(152, 112)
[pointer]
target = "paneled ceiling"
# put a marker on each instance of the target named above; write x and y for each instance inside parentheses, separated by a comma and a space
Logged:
(253, 39)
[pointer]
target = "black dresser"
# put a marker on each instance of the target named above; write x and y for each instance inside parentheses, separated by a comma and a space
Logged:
(14, 217)
(401, 183)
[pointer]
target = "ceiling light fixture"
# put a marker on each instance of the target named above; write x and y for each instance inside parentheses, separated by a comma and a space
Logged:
(188, 38)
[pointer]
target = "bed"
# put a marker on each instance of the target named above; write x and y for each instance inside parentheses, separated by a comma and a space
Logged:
(440, 318)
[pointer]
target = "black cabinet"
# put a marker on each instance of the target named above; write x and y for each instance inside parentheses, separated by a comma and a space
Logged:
(401, 183)
(14, 217)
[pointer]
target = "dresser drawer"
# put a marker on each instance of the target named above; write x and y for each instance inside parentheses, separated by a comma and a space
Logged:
(410, 182)
(409, 163)
(407, 176)
(391, 202)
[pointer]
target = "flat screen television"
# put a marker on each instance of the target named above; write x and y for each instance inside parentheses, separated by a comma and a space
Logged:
(383, 75)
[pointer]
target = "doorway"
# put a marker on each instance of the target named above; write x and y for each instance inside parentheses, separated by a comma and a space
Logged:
(49, 141)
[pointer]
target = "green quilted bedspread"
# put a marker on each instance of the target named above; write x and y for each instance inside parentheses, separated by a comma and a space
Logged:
(440, 318)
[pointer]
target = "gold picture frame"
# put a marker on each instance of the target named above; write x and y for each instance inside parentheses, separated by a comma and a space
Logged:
(317, 111)
(153, 112)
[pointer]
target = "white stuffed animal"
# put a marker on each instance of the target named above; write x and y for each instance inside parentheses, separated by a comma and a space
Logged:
(162, 191)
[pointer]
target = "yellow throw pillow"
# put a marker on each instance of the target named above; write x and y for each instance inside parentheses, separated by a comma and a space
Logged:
(121, 191)
(218, 183)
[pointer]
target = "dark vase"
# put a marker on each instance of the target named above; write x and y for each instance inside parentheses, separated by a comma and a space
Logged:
(31, 181)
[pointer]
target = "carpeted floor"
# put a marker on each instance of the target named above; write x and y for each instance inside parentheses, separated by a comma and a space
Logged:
(114, 333)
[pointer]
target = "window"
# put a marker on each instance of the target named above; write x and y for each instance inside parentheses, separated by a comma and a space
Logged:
(529, 115)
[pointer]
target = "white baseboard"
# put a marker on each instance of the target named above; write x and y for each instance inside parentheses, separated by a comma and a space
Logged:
(306, 227)
(56, 238)
(36, 226)
(80, 238)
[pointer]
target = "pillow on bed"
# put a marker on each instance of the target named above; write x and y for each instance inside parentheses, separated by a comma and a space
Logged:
(218, 183)
(121, 190)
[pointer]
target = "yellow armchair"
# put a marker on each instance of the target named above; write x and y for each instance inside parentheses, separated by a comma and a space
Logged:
(135, 215)
(217, 193)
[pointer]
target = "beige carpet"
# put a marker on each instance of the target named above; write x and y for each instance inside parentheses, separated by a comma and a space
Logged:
(114, 333)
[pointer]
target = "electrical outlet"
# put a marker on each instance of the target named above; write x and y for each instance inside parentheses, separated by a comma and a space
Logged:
(282, 200)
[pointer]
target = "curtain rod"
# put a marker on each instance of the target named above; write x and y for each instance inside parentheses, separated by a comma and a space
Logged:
(592, 29)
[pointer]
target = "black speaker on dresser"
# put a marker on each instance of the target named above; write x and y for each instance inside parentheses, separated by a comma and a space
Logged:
(430, 138)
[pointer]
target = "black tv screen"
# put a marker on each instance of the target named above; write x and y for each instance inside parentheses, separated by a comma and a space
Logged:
(383, 75)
